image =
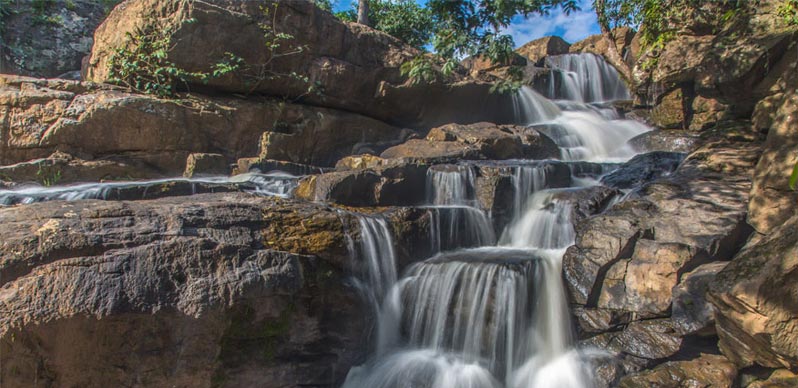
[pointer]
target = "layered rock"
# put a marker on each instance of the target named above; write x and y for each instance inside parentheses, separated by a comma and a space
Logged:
(755, 296)
(538, 49)
(324, 53)
(203, 290)
(94, 122)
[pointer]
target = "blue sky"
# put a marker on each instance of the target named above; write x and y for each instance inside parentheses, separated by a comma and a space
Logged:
(573, 28)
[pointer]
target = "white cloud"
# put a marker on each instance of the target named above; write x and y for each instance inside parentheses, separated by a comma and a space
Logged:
(573, 27)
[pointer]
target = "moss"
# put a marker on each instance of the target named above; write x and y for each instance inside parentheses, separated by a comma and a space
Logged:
(247, 337)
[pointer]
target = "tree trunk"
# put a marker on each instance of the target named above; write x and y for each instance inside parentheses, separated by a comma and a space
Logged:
(363, 12)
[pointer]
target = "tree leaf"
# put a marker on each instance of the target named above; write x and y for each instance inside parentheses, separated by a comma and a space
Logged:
(794, 177)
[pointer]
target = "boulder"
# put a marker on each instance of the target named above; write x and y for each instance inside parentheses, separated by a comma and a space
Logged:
(642, 284)
(62, 168)
(597, 44)
(199, 164)
(396, 185)
(356, 162)
(667, 141)
(669, 111)
(642, 169)
(204, 290)
(453, 142)
(644, 341)
(48, 38)
(772, 201)
(325, 55)
(540, 48)
(245, 165)
(710, 371)
(780, 378)
(691, 311)
(755, 297)
(38, 117)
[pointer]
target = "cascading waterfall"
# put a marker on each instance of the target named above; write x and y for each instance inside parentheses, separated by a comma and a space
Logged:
(277, 184)
(584, 77)
(497, 316)
(456, 221)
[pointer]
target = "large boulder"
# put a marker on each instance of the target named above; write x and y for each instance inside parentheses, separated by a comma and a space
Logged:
(349, 66)
(668, 141)
(48, 38)
(482, 140)
(710, 371)
(772, 201)
(199, 290)
(757, 307)
(538, 49)
(207, 290)
(38, 117)
(642, 169)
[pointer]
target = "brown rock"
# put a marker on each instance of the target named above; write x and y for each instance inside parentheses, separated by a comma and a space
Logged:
(709, 371)
(62, 168)
(780, 378)
(669, 112)
(537, 49)
(38, 117)
(755, 297)
(199, 164)
(432, 151)
(184, 291)
(692, 313)
(668, 141)
(772, 201)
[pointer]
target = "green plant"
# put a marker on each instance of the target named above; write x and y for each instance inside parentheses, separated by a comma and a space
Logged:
(794, 177)
(70, 5)
(48, 175)
(788, 10)
(403, 19)
(143, 64)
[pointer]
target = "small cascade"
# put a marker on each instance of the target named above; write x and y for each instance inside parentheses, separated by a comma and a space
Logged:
(456, 221)
(530, 107)
(545, 224)
(377, 275)
(272, 184)
(585, 135)
(586, 78)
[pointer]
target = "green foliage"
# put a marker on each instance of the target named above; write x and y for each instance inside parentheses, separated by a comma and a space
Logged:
(403, 19)
(48, 175)
(421, 69)
(794, 177)
(788, 10)
(143, 65)
(324, 4)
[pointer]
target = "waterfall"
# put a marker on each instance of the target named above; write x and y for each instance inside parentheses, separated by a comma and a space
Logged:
(456, 220)
(584, 77)
(496, 315)
(272, 184)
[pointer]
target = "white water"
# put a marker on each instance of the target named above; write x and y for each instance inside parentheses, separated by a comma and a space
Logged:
(456, 220)
(497, 316)
(272, 184)
(584, 77)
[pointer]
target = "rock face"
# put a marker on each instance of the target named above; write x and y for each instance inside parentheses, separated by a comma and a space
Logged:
(333, 54)
(38, 117)
(638, 272)
(705, 371)
(101, 293)
(48, 38)
(209, 290)
(454, 142)
(537, 49)
(643, 168)
(755, 296)
(772, 201)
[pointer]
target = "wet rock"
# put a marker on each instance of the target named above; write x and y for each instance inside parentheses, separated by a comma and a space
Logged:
(179, 291)
(692, 313)
(666, 141)
(199, 164)
(396, 185)
(62, 168)
(711, 184)
(537, 49)
(433, 151)
(245, 165)
(593, 320)
(705, 371)
(356, 162)
(669, 112)
(757, 311)
(642, 169)
(587, 201)
(645, 341)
